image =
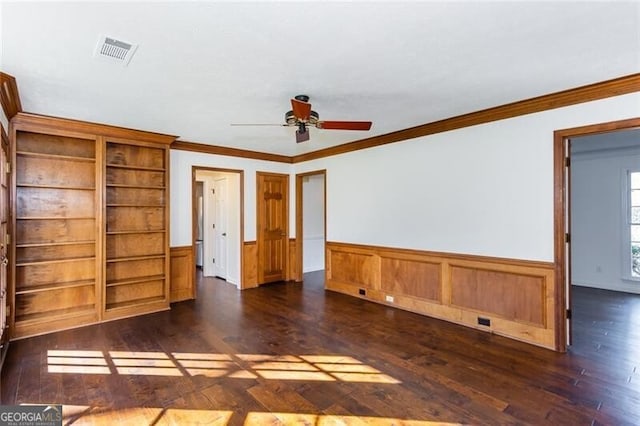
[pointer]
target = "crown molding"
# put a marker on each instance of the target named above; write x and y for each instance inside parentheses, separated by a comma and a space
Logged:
(233, 152)
(71, 125)
(591, 92)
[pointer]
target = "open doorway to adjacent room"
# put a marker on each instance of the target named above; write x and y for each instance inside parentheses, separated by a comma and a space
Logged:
(605, 236)
(310, 223)
(600, 234)
(217, 223)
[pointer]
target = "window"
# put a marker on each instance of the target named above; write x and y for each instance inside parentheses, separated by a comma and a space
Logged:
(633, 225)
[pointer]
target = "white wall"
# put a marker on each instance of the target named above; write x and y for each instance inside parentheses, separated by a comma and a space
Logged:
(181, 163)
(313, 223)
(597, 217)
(483, 190)
(3, 118)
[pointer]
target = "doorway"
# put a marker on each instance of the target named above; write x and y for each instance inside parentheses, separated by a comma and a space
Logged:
(565, 143)
(310, 223)
(218, 223)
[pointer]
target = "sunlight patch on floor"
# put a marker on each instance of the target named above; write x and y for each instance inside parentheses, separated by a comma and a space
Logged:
(84, 415)
(260, 419)
(77, 362)
(325, 368)
(78, 415)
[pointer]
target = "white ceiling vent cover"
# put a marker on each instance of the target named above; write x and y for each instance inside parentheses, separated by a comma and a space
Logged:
(115, 50)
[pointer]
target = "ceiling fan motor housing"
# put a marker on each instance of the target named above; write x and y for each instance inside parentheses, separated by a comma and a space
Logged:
(292, 120)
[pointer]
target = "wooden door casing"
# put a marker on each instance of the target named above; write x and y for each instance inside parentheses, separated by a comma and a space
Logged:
(273, 226)
(4, 249)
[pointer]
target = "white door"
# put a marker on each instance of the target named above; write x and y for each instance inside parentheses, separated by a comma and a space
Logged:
(220, 229)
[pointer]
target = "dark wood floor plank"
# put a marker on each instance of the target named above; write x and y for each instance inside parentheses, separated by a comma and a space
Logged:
(201, 359)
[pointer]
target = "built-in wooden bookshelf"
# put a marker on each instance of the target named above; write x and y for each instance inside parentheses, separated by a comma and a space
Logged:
(136, 227)
(90, 216)
(56, 231)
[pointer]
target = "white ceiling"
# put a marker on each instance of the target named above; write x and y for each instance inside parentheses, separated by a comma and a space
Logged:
(201, 66)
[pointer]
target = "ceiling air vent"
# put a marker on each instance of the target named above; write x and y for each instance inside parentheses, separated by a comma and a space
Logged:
(115, 50)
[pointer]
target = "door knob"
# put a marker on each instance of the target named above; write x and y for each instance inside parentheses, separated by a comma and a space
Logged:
(224, 234)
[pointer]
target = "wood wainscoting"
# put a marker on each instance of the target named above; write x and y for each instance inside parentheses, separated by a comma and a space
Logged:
(182, 274)
(516, 297)
(291, 267)
(249, 265)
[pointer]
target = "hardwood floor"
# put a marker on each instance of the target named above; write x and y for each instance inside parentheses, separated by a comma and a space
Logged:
(295, 354)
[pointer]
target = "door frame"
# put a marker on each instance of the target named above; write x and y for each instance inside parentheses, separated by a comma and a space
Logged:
(218, 222)
(194, 221)
(561, 215)
(299, 261)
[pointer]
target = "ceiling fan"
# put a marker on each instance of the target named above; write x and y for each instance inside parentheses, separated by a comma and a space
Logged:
(301, 116)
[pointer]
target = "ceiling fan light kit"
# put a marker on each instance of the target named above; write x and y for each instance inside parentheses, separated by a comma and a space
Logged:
(302, 116)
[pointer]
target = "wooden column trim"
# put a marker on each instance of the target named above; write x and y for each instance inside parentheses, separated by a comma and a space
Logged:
(4, 135)
(9, 96)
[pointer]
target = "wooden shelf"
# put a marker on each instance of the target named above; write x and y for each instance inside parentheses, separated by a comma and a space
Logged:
(56, 218)
(138, 302)
(135, 205)
(55, 156)
(76, 188)
(134, 258)
(135, 280)
(157, 231)
(48, 262)
(130, 167)
(122, 185)
(63, 243)
(59, 314)
(50, 287)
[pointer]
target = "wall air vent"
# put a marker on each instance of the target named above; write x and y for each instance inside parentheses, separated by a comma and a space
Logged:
(115, 50)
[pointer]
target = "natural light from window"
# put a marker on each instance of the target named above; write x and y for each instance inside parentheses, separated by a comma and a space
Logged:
(82, 414)
(325, 368)
(634, 222)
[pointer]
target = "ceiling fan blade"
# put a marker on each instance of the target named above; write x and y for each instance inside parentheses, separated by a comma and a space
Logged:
(301, 110)
(344, 125)
(302, 136)
(258, 124)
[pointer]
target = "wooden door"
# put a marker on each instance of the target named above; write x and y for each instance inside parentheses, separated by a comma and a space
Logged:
(273, 226)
